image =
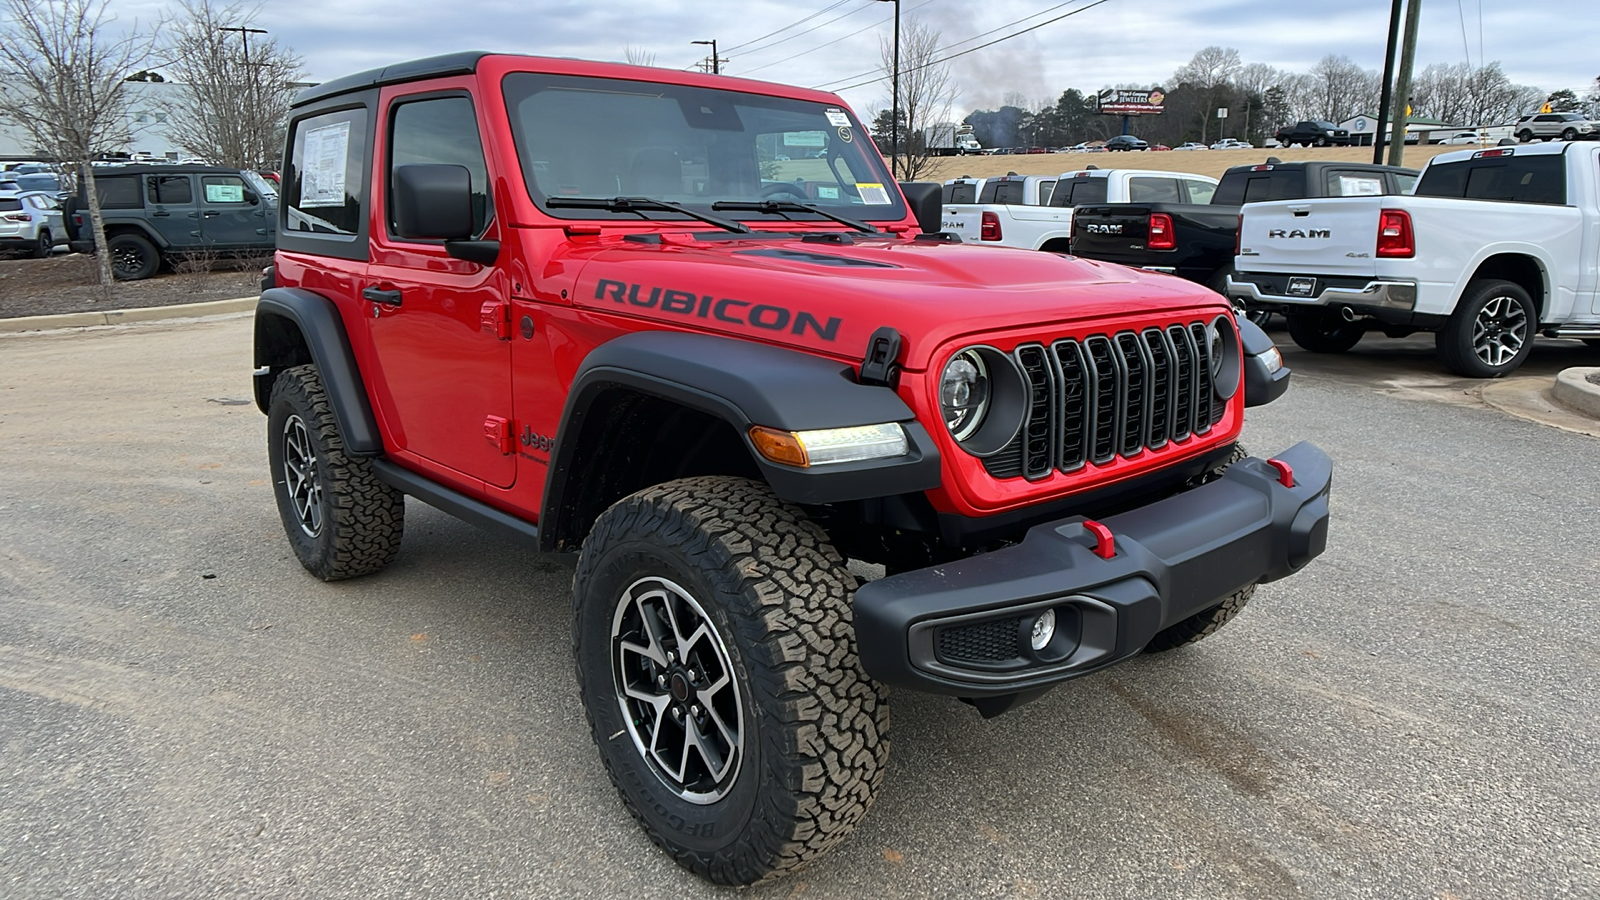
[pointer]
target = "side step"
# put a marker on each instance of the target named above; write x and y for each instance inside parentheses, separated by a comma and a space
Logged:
(1574, 331)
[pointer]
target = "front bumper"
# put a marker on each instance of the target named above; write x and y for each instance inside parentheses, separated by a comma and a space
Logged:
(963, 628)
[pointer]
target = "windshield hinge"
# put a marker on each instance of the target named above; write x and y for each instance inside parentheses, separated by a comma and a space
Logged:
(878, 366)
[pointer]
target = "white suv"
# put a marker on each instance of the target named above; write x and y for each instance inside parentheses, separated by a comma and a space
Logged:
(30, 223)
(1568, 126)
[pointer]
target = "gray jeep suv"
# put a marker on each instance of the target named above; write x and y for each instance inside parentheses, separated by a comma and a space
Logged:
(154, 213)
(1568, 126)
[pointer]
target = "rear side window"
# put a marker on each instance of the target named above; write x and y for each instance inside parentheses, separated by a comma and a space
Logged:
(323, 187)
(119, 193)
(960, 193)
(1079, 192)
(1046, 188)
(442, 130)
(1518, 179)
(1153, 190)
(1001, 192)
(1257, 187)
(169, 189)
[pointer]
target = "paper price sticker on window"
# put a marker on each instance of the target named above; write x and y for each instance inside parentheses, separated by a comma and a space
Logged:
(837, 118)
(224, 193)
(873, 194)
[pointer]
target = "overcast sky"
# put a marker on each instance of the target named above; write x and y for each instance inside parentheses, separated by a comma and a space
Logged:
(1548, 43)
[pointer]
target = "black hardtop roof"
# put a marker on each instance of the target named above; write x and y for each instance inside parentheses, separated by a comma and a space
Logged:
(1322, 164)
(160, 168)
(462, 63)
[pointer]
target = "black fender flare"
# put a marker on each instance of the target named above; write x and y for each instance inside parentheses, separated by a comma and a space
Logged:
(144, 229)
(279, 314)
(745, 383)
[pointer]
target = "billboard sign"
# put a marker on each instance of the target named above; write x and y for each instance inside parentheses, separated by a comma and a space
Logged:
(1115, 102)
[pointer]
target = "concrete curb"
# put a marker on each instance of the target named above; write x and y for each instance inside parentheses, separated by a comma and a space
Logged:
(123, 316)
(1574, 391)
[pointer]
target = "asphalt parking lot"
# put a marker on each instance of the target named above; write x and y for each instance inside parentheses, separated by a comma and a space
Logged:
(185, 713)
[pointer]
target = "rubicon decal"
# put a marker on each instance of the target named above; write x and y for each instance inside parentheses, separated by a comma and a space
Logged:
(767, 316)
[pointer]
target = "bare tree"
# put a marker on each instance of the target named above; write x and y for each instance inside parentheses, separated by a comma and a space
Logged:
(64, 64)
(927, 93)
(235, 102)
(1210, 74)
(638, 56)
(1341, 89)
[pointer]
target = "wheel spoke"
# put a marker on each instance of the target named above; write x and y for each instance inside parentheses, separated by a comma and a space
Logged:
(727, 733)
(716, 763)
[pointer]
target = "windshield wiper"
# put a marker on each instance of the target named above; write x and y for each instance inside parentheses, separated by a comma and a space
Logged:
(783, 206)
(639, 204)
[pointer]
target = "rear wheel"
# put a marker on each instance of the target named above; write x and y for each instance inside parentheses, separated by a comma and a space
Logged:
(1491, 331)
(716, 657)
(132, 257)
(42, 244)
(1524, 136)
(1321, 331)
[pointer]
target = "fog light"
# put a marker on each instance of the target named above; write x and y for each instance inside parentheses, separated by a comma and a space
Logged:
(1044, 628)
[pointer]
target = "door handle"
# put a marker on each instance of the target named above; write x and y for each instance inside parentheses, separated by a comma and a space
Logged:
(160, 213)
(389, 297)
(194, 215)
(212, 212)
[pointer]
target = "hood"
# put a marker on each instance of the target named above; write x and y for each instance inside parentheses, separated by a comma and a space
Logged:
(829, 293)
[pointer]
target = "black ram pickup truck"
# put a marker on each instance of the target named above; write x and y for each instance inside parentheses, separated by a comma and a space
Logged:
(1197, 241)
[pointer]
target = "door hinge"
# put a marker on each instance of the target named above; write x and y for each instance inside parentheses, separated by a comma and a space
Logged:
(498, 431)
(495, 318)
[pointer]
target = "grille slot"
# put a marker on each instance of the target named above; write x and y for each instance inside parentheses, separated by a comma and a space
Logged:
(1094, 399)
(990, 642)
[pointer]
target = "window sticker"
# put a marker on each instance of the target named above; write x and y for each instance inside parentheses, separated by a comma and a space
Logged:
(805, 139)
(837, 118)
(322, 172)
(824, 192)
(1359, 186)
(873, 194)
(227, 193)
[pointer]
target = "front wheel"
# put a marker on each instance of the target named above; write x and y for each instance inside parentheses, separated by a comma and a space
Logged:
(1524, 136)
(1322, 332)
(1571, 134)
(716, 657)
(1491, 331)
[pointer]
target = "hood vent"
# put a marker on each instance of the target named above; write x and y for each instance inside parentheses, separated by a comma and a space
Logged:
(816, 259)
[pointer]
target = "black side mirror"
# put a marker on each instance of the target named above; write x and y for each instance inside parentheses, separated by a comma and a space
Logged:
(926, 199)
(433, 202)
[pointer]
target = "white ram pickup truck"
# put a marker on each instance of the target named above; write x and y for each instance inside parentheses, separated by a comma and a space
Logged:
(1494, 247)
(1048, 225)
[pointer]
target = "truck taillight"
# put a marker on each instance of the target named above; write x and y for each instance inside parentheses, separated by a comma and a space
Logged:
(1238, 235)
(1160, 236)
(990, 229)
(1395, 238)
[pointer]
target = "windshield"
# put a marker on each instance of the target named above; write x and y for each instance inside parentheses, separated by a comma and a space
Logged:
(590, 137)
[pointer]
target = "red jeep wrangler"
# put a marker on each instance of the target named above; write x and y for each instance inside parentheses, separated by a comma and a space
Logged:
(686, 331)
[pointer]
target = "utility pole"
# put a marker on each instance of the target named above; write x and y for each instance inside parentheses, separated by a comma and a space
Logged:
(1402, 85)
(253, 115)
(894, 102)
(1388, 83)
(716, 63)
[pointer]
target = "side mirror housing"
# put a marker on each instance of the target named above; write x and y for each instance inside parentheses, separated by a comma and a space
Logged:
(927, 203)
(433, 202)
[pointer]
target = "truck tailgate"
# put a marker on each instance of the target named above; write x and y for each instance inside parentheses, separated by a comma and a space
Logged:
(1113, 233)
(962, 219)
(1331, 236)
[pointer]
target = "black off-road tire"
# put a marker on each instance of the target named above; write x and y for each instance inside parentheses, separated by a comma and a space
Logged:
(1322, 332)
(42, 245)
(1202, 624)
(814, 735)
(132, 257)
(359, 520)
(1460, 341)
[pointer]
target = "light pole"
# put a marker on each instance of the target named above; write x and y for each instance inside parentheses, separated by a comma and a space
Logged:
(250, 74)
(716, 64)
(894, 102)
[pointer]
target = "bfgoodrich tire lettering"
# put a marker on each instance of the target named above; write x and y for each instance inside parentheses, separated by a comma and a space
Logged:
(813, 729)
(339, 518)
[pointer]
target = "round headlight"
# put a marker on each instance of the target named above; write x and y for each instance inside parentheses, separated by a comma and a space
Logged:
(1214, 346)
(964, 392)
(1222, 346)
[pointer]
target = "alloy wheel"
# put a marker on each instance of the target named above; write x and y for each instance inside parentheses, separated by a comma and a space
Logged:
(675, 683)
(127, 260)
(300, 475)
(1499, 331)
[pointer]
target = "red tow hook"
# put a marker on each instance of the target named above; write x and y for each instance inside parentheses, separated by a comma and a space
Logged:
(1105, 545)
(1285, 474)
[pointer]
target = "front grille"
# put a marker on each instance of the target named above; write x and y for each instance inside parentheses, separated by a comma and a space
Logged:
(994, 641)
(1104, 396)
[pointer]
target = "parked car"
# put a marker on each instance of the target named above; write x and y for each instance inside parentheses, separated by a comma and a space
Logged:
(1495, 247)
(1568, 126)
(1159, 147)
(30, 223)
(1463, 137)
(1232, 144)
(1191, 233)
(154, 213)
(1125, 142)
(1313, 134)
(1191, 145)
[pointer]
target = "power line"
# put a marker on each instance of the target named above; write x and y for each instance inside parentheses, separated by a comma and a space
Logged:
(962, 53)
(790, 25)
(1466, 48)
(829, 43)
(868, 5)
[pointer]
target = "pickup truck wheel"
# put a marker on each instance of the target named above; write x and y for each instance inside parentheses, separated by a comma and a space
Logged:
(132, 257)
(1202, 624)
(340, 519)
(716, 657)
(1323, 332)
(1491, 331)
(1322, 142)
